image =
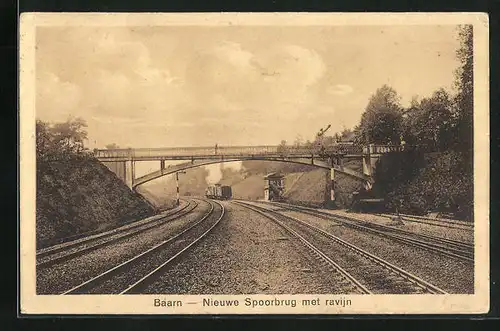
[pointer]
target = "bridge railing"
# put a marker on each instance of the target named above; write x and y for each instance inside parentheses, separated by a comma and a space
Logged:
(110, 153)
(237, 151)
(381, 149)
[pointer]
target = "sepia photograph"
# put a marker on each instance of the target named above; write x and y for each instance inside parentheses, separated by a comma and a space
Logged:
(254, 163)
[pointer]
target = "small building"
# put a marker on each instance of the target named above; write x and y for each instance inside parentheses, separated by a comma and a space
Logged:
(275, 186)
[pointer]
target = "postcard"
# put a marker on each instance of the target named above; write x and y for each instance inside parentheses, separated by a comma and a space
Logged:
(254, 163)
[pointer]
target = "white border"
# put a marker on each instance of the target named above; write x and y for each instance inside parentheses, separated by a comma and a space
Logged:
(143, 304)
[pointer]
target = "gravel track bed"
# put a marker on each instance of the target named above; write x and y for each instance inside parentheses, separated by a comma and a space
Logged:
(463, 235)
(65, 275)
(110, 239)
(418, 228)
(246, 253)
(430, 219)
(144, 265)
(376, 278)
(450, 274)
(456, 247)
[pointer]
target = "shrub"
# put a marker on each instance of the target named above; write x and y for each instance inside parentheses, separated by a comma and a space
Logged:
(417, 184)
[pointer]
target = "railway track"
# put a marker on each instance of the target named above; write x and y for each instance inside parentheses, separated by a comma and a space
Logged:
(63, 252)
(437, 222)
(138, 272)
(448, 247)
(366, 272)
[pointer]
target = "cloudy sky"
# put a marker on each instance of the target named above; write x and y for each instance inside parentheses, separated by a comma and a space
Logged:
(197, 86)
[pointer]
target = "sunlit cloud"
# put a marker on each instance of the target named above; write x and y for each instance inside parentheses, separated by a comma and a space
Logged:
(340, 89)
(180, 86)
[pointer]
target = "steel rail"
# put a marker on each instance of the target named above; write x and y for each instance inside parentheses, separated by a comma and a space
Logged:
(395, 269)
(313, 248)
(151, 274)
(461, 251)
(109, 239)
(94, 281)
(461, 225)
(94, 236)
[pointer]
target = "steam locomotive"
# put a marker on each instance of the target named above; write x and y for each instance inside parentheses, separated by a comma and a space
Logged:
(219, 192)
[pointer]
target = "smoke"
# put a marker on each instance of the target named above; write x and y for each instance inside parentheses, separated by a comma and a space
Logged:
(215, 171)
(236, 165)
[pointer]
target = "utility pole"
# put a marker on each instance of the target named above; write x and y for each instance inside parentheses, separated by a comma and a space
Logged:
(177, 182)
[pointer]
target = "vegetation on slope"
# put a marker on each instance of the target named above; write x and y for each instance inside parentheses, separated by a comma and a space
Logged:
(76, 194)
(419, 183)
(439, 175)
(307, 188)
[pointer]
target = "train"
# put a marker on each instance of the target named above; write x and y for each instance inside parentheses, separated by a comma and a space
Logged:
(219, 192)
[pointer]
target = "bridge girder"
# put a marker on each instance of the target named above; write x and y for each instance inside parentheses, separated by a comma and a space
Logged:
(319, 163)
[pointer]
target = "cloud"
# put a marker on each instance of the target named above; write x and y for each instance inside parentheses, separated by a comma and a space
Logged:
(118, 82)
(105, 73)
(234, 54)
(229, 78)
(138, 88)
(308, 63)
(340, 89)
(56, 99)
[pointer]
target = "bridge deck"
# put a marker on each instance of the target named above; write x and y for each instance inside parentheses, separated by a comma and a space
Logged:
(193, 153)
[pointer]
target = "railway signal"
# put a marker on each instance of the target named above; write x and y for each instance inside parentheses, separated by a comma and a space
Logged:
(177, 183)
(323, 131)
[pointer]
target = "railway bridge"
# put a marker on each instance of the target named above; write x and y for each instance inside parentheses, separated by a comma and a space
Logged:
(122, 161)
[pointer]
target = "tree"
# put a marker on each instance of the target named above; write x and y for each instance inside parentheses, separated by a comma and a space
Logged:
(429, 122)
(70, 135)
(282, 148)
(60, 140)
(381, 123)
(299, 141)
(464, 101)
(346, 135)
(43, 140)
(337, 137)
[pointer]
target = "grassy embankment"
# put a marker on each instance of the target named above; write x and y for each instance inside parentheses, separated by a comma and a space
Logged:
(79, 196)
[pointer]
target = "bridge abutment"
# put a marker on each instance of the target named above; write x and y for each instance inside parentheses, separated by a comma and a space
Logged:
(129, 173)
(370, 163)
(118, 168)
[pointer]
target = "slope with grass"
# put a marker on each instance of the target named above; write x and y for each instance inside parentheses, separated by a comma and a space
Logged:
(81, 195)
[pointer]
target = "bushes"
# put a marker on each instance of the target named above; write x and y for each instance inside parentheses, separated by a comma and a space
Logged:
(417, 184)
(448, 184)
(394, 169)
